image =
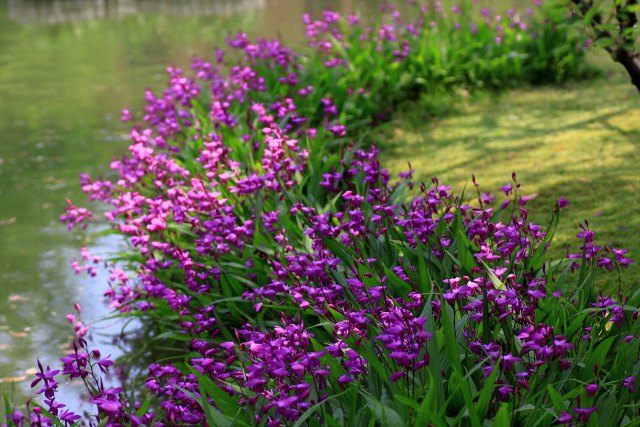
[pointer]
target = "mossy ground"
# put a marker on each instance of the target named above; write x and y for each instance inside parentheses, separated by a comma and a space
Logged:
(580, 141)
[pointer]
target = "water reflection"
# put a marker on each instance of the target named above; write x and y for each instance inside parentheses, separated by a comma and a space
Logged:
(64, 11)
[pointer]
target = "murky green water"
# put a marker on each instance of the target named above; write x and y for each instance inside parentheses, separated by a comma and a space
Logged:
(67, 67)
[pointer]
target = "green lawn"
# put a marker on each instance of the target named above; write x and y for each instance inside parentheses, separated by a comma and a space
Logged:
(580, 141)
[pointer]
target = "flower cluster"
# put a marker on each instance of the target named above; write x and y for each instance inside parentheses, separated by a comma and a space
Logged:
(88, 366)
(299, 281)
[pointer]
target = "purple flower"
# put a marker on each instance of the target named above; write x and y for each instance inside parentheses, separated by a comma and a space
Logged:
(50, 385)
(591, 389)
(110, 407)
(344, 379)
(68, 417)
(75, 216)
(503, 392)
(584, 414)
(105, 363)
(507, 189)
(630, 384)
(565, 418)
(126, 116)
(524, 199)
(16, 417)
(508, 361)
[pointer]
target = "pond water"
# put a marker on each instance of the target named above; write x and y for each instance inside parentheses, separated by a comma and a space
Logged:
(67, 67)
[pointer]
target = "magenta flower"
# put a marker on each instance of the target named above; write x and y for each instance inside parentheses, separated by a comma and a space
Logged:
(110, 407)
(630, 384)
(47, 377)
(591, 389)
(565, 418)
(504, 392)
(583, 414)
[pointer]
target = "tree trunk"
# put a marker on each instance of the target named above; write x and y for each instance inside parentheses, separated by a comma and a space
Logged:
(631, 63)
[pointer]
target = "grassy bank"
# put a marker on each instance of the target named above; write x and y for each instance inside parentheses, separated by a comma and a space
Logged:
(579, 141)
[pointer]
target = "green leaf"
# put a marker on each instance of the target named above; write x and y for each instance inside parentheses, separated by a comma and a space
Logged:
(172, 335)
(7, 410)
(401, 287)
(385, 415)
(436, 389)
(214, 417)
(144, 407)
(332, 421)
(410, 403)
(54, 419)
(609, 412)
(502, 418)
(600, 353)
(633, 8)
(603, 42)
(222, 400)
(424, 283)
(338, 250)
(588, 17)
(555, 399)
(487, 393)
(465, 249)
(494, 279)
(430, 409)
(453, 351)
(315, 407)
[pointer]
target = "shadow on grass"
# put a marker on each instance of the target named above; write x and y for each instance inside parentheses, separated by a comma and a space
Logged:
(580, 142)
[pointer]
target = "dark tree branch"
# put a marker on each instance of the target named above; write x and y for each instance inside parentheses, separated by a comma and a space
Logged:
(631, 63)
(625, 51)
(622, 49)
